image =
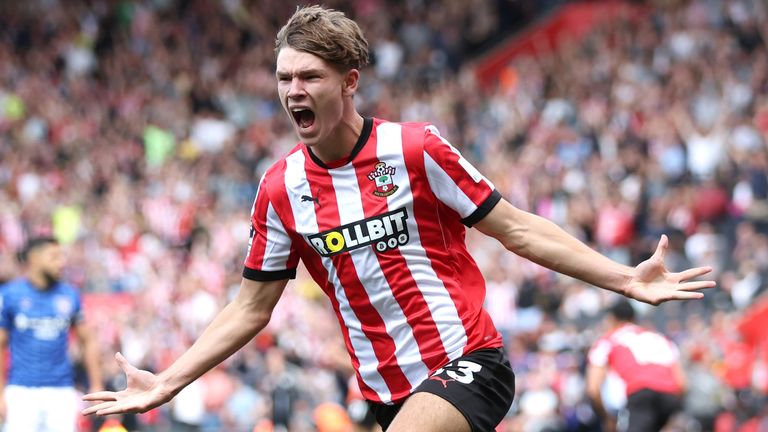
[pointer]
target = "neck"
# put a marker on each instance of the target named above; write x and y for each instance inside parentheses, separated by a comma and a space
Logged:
(341, 142)
(620, 324)
(39, 280)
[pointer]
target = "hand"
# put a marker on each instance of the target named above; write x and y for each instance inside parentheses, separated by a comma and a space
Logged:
(143, 392)
(2, 407)
(653, 283)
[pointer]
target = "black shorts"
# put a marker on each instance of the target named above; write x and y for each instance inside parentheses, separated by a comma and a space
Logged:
(480, 385)
(650, 410)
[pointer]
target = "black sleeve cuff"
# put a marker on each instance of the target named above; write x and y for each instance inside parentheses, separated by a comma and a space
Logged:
(483, 209)
(267, 276)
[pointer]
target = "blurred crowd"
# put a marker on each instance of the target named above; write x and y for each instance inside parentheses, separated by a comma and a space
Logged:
(135, 132)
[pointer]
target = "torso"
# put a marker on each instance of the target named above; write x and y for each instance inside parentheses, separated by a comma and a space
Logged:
(38, 322)
(413, 300)
(641, 358)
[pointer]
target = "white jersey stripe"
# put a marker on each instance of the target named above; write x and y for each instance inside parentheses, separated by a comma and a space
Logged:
(276, 253)
(369, 364)
(375, 282)
(296, 185)
(446, 189)
(306, 221)
(442, 307)
(468, 167)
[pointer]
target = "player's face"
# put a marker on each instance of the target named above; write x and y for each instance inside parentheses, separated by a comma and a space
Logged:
(49, 261)
(311, 92)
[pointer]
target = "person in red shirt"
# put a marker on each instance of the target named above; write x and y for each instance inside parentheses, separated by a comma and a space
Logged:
(377, 212)
(647, 362)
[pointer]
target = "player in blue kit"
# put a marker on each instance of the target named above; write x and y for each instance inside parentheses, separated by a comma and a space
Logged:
(37, 312)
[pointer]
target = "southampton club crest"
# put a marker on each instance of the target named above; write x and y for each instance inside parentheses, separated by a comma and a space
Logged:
(382, 177)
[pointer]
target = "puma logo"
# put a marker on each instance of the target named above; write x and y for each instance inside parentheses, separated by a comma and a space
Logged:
(442, 381)
(307, 198)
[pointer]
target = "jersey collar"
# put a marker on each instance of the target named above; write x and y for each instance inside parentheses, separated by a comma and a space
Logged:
(361, 140)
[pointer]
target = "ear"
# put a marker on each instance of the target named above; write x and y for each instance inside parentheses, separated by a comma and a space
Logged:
(351, 79)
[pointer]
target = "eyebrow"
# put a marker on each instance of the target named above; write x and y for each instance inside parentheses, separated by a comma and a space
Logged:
(304, 72)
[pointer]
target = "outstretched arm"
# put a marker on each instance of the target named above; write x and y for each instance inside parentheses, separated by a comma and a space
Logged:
(544, 243)
(232, 328)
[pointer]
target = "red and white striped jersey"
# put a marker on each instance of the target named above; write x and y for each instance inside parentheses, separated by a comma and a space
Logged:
(382, 232)
(641, 358)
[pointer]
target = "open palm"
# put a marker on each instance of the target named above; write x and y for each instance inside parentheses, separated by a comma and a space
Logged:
(141, 394)
(653, 283)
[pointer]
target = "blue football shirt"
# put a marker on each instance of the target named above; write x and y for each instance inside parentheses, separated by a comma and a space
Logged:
(38, 323)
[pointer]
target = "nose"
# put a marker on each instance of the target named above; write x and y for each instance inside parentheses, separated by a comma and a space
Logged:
(296, 88)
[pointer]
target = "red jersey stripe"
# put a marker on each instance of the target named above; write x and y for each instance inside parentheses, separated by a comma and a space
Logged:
(373, 325)
(397, 273)
(439, 224)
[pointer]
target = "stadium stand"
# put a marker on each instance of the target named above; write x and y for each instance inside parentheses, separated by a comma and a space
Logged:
(135, 132)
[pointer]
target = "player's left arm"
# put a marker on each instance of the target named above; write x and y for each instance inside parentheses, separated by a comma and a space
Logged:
(543, 242)
(91, 355)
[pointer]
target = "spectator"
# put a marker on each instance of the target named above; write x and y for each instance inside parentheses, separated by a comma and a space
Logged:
(60, 149)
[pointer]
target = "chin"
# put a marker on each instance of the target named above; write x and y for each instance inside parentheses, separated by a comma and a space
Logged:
(308, 141)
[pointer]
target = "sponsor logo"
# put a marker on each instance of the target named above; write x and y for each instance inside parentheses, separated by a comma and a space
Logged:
(383, 232)
(382, 178)
(43, 328)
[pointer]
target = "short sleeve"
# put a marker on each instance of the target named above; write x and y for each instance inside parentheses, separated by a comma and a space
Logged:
(455, 182)
(270, 253)
(5, 312)
(600, 353)
(78, 315)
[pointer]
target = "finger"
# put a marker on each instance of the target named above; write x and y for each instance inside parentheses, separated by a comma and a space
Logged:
(661, 249)
(693, 273)
(94, 409)
(100, 396)
(116, 409)
(686, 295)
(124, 365)
(691, 286)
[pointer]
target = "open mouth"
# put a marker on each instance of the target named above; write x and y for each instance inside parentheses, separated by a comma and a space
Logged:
(304, 117)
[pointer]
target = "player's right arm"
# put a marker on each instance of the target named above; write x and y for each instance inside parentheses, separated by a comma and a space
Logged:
(230, 330)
